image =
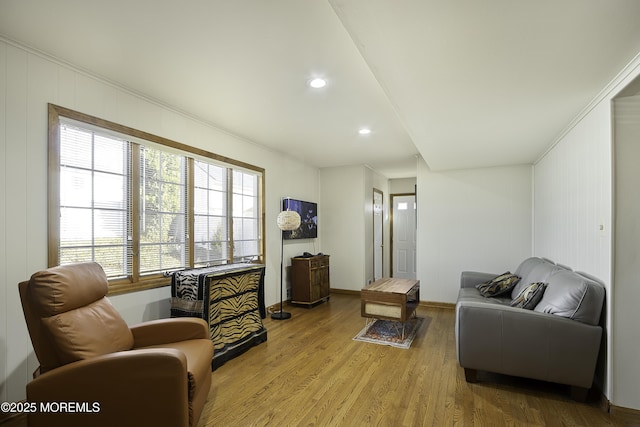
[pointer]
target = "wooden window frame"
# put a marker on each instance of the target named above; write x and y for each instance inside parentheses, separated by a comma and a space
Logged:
(134, 282)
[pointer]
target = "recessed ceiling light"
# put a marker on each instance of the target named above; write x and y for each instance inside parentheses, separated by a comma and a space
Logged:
(364, 131)
(318, 83)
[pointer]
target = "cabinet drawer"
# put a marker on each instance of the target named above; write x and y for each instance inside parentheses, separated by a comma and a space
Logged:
(319, 262)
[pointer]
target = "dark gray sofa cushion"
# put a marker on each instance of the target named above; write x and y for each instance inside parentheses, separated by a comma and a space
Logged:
(532, 270)
(573, 295)
(473, 295)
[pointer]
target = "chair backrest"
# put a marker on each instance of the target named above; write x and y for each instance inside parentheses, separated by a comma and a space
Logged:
(69, 316)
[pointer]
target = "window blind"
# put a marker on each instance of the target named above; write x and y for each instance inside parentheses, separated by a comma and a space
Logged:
(246, 208)
(211, 231)
(142, 206)
(94, 173)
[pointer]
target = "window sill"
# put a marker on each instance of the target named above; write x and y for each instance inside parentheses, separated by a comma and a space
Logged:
(119, 287)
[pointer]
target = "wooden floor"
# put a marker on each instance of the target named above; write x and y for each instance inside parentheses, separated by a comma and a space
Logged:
(310, 372)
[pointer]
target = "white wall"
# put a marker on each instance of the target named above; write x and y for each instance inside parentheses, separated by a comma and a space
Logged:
(573, 225)
(572, 197)
(343, 226)
(28, 81)
(297, 181)
(626, 335)
(402, 186)
(347, 223)
(476, 219)
(572, 218)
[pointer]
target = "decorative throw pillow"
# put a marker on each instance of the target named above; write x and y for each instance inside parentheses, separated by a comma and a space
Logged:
(530, 296)
(498, 285)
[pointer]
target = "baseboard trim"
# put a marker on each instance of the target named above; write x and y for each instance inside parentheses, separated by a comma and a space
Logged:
(436, 304)
(426, 304)
(345, 291)
(629, 415)
(276, 307)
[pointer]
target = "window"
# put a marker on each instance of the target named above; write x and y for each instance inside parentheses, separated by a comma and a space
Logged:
(142, 206)
(245, 215)
(93, 199)
(210, 229)
(163, 214)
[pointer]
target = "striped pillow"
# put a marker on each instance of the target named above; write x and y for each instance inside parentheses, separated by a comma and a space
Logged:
(530, 296)
(498, 285)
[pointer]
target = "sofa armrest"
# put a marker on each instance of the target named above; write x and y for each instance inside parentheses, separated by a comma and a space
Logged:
(526, 343)
(143, 387)
(469, 279)
(165, 331)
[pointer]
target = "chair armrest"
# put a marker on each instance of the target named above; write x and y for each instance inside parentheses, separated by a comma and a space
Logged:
(469, 279)
(526, 343)
(165, 331)
(143, 387)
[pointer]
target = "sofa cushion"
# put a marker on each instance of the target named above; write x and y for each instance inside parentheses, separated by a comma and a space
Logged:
(573, 295)
(533, 270)
(529, 297)
(89, 331)
(498, 285)
(472, 295)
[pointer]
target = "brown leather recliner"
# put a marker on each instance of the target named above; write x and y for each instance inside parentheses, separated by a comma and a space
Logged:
(96, 371)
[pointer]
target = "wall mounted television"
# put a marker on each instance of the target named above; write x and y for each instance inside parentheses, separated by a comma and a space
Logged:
(308, 212)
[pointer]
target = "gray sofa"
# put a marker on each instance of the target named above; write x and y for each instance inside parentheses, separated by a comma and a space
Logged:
(557, 341)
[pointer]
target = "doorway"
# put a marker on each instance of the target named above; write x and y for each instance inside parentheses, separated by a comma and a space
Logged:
(403, 236)
(378, 221)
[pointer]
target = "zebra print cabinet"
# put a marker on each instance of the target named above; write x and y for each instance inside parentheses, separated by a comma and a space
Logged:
(230, 298)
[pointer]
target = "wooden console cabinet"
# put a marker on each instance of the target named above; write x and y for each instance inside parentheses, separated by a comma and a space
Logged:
(310, 279)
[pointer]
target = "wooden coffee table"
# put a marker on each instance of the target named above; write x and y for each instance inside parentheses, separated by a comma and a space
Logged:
(390, 299)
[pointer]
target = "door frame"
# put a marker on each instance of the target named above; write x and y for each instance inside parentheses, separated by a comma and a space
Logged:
(391, 197)
(373, 213)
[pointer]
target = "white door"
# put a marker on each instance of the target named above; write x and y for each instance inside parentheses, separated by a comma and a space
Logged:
(403, 231)
(378, 219)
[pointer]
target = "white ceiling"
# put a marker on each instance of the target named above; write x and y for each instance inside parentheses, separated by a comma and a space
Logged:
(463, 83)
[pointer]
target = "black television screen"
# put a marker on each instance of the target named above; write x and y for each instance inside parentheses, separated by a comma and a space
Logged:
(308, 212)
